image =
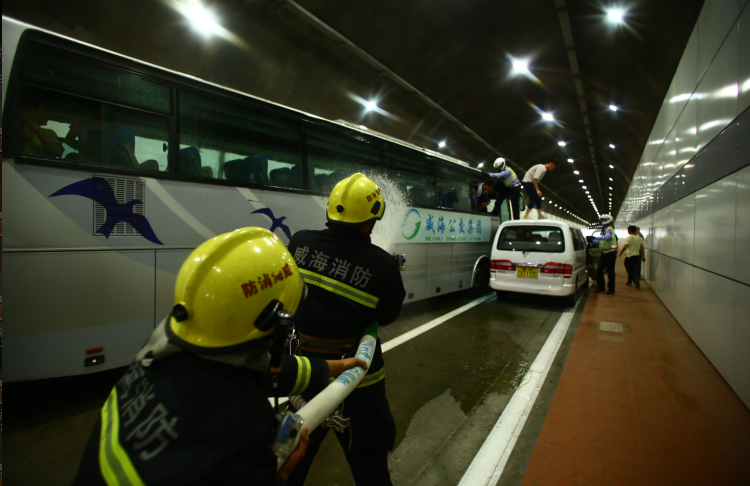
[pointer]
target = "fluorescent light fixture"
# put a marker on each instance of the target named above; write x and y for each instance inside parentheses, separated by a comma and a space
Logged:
(561, 143)
(613, 107)
(611, 145)
(611, 166)
(202, 20)
(570, 160)
(580, 180)
(615, 15)
(520, 66)
(441, 144)
(584, 187)
(371, 105)
(611, 179)
(576, 172)
(481, 164)
(548, 117)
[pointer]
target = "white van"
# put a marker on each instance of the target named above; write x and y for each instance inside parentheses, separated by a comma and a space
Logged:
(539, 257)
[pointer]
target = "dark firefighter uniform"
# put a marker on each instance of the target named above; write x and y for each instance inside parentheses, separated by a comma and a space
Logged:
(193, 407)
(351, 282)
(186, 420)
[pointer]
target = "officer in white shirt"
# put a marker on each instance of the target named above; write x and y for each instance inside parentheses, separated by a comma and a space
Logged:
(531, 185)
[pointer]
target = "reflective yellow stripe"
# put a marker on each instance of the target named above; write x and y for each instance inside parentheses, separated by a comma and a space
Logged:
(114, 462)
(303, 376)
(339, 288)
(369, 379)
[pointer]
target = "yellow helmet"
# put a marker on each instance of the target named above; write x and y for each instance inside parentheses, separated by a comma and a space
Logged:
(229, 290)
(355, 200)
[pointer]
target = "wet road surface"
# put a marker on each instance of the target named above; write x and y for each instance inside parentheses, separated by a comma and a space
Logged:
(447, 388)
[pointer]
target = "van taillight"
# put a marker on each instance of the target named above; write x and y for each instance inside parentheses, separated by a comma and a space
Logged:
(502, 265)
(558, 268)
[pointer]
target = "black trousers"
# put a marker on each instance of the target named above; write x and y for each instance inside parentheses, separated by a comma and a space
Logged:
(502, 192)
(633, 267)
(606, 263)
(372, 435)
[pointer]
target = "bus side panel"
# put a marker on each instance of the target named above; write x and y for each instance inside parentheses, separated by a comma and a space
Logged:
(61, 304)
(438, 269)
(415, 275)
(465, 256)
(168, 263)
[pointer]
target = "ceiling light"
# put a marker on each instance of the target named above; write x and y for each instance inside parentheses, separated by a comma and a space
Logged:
(570, 160)
(610, 188)
(611, 166)
(481, 164)
(561, 143)
(520, 66)
(441, 144)
(583, 187)
(204, 21)
(580, 180)
(611, 179)
(371, 105)
(613, 107)
(547, 117)
(611, 145)
(576, 172)
(615, 15)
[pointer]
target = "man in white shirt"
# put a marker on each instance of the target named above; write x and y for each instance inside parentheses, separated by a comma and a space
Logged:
(531, 185)
(633, 250)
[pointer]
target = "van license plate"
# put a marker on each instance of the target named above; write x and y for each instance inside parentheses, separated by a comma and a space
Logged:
(525, 272)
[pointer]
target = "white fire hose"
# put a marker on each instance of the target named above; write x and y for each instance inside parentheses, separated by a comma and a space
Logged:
(316, 410)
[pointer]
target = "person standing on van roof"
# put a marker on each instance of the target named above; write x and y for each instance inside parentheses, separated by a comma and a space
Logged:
(511, 187)
(352, 283)
(531, 185)
(608, 245)
(633, 250)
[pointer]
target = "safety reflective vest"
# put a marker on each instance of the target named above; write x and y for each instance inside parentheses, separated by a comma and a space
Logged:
(607, 246)
(508, 181)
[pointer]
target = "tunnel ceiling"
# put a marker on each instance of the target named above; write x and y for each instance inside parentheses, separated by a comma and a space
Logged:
(455, 52)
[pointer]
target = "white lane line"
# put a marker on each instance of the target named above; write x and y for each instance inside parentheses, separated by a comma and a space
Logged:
(433, 323)
(421, 329)
(490, 461)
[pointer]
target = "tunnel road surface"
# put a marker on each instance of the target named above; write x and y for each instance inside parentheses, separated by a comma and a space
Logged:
(447, 387)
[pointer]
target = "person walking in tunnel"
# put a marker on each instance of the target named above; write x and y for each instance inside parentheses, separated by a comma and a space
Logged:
(351, 284)
(192, 409)
(633, 250)
(531, 181)
(510, 188)
(607, 243)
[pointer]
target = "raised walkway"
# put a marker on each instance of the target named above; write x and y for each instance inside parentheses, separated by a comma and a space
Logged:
(639, 403)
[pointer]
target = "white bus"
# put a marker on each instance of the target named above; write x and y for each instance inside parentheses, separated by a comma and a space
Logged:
(115, 169)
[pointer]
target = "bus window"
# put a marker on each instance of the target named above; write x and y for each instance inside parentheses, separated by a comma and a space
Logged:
(54, 125)
(414, 175)
(332, 157)
(60, 70)
(453, 186)
(223, 140)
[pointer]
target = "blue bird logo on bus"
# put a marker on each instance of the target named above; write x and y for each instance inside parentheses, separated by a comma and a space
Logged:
(98, 189)
(275, 222)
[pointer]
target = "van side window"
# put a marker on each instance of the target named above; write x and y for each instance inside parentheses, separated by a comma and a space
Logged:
(225, 140)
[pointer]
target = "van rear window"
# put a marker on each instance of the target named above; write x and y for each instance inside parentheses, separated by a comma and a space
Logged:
(547, 239)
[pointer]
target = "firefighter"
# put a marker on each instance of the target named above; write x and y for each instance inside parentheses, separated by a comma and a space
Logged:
(511, 188)
(607, 243)
(193, 408)
(351, 283)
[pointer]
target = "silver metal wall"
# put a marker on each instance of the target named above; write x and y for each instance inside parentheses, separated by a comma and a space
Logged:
(691, 192)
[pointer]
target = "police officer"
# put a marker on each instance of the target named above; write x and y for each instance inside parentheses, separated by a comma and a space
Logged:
(607, 243)
(351, 283)
(511, 187)
(193, 408)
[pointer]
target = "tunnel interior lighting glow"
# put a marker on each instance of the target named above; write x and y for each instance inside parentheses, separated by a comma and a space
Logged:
(576, 172)
(615, 15)
(548, 117)
(611, 179)
(520, 66)
(584, 187)
(202, 20)
(561, 143)
(611, 166)
(481, 164)
(613, 107)
(441, 144)
(580, 180)
(371, 105)
(611, 145)
(570, 160)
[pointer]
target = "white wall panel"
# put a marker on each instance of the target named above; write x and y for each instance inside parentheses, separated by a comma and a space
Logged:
(744, 60)
(716, 18)
(715, 210)
(683, 245)
(740, 379)
(718, 91)
(713, 319)
(681, 281)
(742, 223)
(686, 131)
(670, 152)
(686, 77)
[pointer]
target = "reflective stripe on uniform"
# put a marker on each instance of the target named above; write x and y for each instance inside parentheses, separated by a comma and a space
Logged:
(369, 379)
(339, 288)
(304, 371)
(114, 462)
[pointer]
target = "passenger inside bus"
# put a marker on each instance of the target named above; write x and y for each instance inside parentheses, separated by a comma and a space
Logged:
(253, 169)
(29, 136)
(85, 136)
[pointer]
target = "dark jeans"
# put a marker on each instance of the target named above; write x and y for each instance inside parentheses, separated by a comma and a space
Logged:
(534, 200)
(606, 263)
(502, 192)
(633, 266)
(372, 434)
